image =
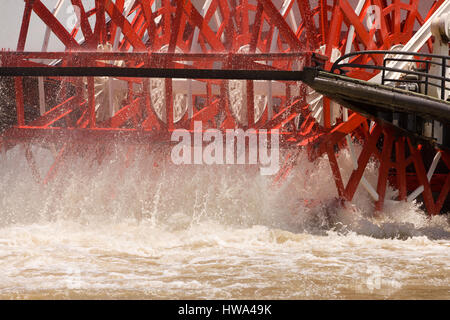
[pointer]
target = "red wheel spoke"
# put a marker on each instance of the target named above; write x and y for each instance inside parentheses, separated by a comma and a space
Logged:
(401, 168)
(127, 30)
(384, 169)
(55, 25)
(422, 177)
(25, 25)
(363, 159)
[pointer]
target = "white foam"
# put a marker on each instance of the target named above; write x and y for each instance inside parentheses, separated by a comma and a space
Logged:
(207, 232)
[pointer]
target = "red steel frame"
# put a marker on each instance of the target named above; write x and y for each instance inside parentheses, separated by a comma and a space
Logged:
(262, 26)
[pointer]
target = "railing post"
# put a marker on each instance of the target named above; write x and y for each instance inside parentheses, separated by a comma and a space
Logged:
(444, 65)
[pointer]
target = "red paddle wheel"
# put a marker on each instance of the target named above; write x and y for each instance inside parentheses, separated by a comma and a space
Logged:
(259, 35)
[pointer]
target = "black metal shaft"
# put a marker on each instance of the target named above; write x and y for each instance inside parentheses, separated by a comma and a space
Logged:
(152, 73)
(370, 98)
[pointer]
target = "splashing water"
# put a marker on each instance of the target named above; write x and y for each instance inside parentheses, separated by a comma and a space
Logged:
(156, 230)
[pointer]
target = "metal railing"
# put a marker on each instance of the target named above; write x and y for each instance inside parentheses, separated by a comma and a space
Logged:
(397, 56)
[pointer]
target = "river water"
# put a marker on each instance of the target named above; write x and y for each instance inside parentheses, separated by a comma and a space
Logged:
(159, 231)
